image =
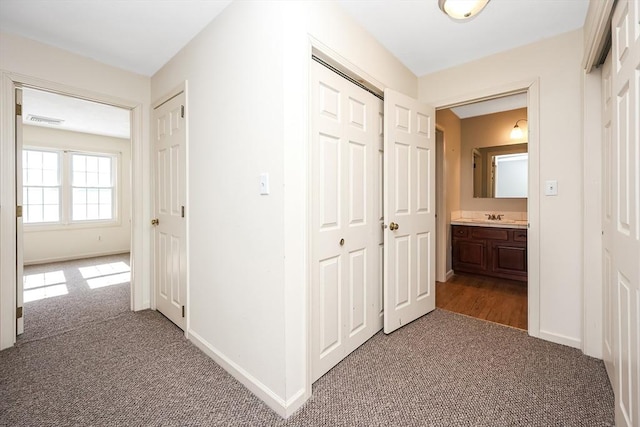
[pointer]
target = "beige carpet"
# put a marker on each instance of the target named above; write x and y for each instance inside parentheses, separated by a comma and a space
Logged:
(442, 370)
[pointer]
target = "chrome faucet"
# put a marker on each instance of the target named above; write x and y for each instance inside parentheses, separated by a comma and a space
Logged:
(494, 217)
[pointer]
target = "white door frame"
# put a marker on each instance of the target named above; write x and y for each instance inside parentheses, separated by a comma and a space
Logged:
(140, 235)
(532, 88)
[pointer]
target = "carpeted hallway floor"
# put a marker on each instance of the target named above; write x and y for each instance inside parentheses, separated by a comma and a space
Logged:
(444, 369)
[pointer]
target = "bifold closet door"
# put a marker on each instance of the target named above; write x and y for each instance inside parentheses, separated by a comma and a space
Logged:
(625, 197)
(346, 208)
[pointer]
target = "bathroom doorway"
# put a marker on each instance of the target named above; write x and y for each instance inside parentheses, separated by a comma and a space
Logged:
(485, 161)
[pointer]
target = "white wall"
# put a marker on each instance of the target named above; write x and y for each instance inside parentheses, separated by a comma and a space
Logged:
(45, 243)
(248, 86)
(556, 63)
(27, 61)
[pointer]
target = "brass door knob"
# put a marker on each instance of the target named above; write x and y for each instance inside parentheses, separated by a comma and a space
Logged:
(155, 221)
(341, 242)
(393, 226)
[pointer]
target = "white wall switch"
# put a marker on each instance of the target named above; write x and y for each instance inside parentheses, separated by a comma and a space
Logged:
(551, 188)
(264, 183)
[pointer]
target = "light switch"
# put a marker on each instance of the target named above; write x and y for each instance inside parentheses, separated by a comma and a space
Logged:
(264, 183)
(551, 188)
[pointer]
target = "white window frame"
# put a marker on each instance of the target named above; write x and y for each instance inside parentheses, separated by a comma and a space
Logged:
(114, 195)
(59, 187)
(66, 221)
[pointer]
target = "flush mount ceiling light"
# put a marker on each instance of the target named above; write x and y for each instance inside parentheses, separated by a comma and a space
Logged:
(462, 10)
(516, 132)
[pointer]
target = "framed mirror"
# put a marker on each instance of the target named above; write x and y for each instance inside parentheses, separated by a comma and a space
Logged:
(500, 171)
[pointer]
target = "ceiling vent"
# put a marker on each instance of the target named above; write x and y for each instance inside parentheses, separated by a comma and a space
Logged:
(44, 120)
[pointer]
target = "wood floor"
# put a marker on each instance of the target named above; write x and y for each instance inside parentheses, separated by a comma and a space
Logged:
(496, 300)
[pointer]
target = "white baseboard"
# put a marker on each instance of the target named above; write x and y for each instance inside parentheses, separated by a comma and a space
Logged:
(449, 275)
(264, 393)
(560, 339)
(74, 257)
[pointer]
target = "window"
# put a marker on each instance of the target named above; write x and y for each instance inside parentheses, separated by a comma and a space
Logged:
(64, 187)
(92, 184)
(511, 175)
(41, 186)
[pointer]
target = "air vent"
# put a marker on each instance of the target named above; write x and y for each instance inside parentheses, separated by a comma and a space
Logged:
(44, 120)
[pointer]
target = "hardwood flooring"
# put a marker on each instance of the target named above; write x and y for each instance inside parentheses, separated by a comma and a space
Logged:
(496, 300)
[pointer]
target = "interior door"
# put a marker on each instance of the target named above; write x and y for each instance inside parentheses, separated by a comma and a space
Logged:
(409, 210)
(169, 223)
(609, 299)
(346, 232)
(19, 220)
(625, 259)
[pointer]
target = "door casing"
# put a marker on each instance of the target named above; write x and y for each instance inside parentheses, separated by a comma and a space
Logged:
(140, 283)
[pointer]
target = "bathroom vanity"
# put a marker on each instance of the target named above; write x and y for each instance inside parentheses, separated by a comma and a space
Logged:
(490, 248)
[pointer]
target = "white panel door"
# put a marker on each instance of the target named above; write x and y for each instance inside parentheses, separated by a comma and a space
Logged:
(170, 192)
(607, 222)
(346, 231)
(625, 257)
(409, 210)
(19, 219)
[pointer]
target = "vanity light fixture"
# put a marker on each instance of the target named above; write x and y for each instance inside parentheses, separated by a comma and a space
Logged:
(462, 10)
(516, 132)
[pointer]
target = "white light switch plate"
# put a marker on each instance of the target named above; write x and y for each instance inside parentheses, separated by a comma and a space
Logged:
(551, 188)
(264, 183)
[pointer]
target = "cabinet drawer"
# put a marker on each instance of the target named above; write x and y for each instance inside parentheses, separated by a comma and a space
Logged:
(459, 231)
(520, 235)
(490, 233)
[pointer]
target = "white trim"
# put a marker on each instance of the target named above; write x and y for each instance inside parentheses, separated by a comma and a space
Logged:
(7, 215)
(592, 227)
(450, 274)
(139, 253)
(264, 393)
(560, 339)
(72, 258)
(442, 226)
(596, 32)
(532, 87)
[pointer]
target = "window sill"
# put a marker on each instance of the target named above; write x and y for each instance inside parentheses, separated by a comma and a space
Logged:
(31, 228)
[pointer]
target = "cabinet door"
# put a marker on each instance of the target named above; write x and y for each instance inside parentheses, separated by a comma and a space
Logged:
(470, 255)
(509, 260)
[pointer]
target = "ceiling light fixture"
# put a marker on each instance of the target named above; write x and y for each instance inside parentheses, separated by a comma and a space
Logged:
(516, 132)
(462, 10)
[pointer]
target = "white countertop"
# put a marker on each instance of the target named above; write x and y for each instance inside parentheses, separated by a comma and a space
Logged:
(483, 222)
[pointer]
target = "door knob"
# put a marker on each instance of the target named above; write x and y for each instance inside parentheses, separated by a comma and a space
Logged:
(393, 226)
(341, 242)
(155, 221)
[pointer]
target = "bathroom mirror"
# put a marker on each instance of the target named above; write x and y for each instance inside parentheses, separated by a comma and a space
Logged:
(500, 171)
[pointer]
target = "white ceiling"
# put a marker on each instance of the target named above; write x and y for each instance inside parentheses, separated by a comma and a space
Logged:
(426, 40)
(142, 35)
(136, 35)
(495, 105)
(78, 115)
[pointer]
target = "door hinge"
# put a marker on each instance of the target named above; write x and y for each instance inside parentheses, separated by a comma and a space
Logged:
(18, 211)
(183, 212)
(18, 312)
(182, 111)
(18, 109)
(183, 311)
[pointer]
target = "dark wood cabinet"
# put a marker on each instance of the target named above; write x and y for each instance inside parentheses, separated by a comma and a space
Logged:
(498, 252)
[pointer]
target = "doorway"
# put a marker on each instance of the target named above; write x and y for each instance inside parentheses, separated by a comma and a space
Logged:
(139, 298)
(479, 140)
(74, 186)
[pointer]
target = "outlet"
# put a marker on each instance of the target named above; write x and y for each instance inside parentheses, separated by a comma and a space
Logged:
(551, 188)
